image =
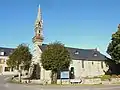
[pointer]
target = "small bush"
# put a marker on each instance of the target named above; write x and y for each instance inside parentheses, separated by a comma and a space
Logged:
(96, 77)
(92, 77)
(105, 77)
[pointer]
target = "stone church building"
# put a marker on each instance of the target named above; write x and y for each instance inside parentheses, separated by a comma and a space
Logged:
(85, 62)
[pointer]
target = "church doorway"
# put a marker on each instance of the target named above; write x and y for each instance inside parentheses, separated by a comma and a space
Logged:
(36, 71)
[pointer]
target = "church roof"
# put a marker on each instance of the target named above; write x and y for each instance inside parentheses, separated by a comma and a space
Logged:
(82, 54)
(5, 51)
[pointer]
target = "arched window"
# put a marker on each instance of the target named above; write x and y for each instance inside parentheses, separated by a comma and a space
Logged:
(101, 64)
(39, 31)
(82, 63)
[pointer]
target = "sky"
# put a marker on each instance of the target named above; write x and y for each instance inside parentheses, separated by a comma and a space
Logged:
(86, 24)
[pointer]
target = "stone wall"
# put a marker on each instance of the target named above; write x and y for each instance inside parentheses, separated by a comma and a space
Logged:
(64, 81)
(99, 81)
(90, 81)
(90, 68)
(68, 81)
(40, 82)
(115, 80)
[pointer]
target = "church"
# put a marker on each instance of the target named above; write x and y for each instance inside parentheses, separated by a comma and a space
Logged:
(85, 62)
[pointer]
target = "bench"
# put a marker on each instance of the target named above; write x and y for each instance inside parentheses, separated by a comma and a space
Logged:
(75, 81)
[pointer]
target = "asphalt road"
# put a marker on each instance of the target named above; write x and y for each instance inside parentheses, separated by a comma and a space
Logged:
(9, 86)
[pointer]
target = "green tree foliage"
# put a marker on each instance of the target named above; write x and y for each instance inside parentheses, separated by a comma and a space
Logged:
(114, 46)
(20, 56)
(55, 58)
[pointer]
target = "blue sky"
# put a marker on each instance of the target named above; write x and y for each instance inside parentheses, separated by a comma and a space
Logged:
(76, 23)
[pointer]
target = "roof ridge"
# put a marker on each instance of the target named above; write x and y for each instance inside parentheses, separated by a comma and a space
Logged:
(7, 48)
(84, 53)
(80, 48)
(75, 47)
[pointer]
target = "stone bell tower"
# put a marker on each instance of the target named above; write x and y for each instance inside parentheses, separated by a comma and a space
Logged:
(35, 69)
(38, 38)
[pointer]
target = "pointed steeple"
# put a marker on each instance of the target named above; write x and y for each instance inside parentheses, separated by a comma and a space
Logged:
(39, 16)
(38, 38)
(39, 20)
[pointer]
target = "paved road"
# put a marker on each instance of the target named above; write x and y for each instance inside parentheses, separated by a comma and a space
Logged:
(8, 86)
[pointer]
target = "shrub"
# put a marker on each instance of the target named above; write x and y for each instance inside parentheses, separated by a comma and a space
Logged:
(96, 77)
(105, 77)
(91, 77)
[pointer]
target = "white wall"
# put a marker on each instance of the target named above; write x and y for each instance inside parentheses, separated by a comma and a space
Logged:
(5, 65)
(91, 68)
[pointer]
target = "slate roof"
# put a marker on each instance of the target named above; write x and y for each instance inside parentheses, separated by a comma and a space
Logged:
(7, 51)
(82, 54)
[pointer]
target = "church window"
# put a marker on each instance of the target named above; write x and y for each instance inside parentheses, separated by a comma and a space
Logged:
(82, 63)
(76, 52)
(95, 54)
(101, 64)
(39, 31)
(7, 68)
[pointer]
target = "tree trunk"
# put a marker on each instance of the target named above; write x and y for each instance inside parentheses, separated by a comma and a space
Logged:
(54, 78)
(19, 70)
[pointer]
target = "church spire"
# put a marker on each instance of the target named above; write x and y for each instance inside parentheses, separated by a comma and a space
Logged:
(38, 38)
(39, 16)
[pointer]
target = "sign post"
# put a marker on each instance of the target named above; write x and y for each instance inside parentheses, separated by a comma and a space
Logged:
(64, 75)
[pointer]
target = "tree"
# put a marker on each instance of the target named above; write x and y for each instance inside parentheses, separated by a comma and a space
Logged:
(55, 58)
(114, 46)
(21, 56)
